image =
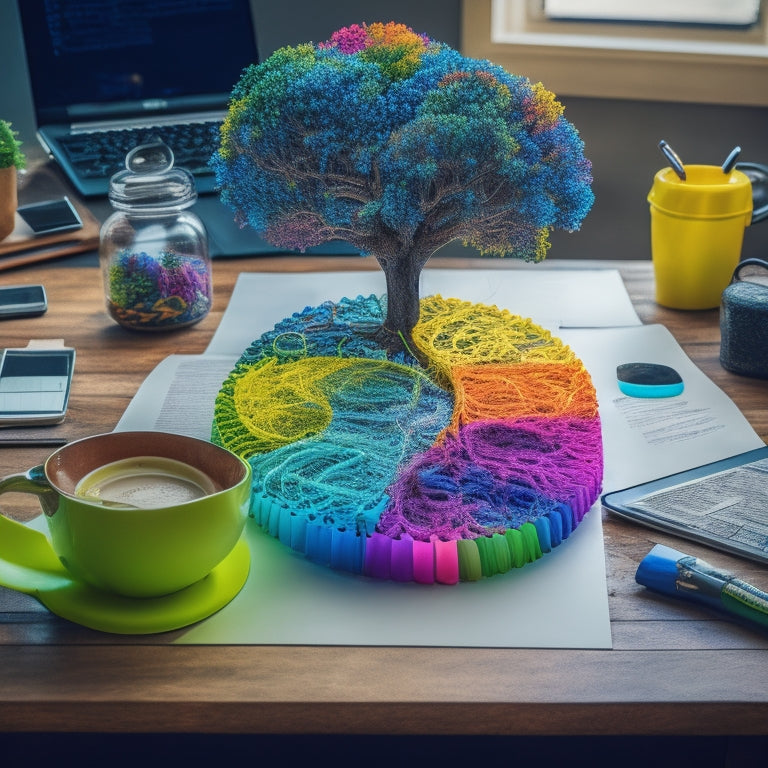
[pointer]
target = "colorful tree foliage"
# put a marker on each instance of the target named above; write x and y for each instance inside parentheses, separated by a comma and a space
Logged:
(398, 144)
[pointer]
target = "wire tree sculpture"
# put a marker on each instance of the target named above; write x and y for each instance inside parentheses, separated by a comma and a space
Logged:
(398, 144)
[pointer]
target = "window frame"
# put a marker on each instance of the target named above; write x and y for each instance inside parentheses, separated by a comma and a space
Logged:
(620, 61)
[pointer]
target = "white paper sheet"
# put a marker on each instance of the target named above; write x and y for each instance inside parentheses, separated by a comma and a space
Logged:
(289, 600)
(559, 601)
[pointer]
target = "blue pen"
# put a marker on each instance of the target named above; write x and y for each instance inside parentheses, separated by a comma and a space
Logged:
(671, 572)
(674, 159)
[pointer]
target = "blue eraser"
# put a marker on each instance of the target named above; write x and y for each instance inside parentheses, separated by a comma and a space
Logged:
(648, 380)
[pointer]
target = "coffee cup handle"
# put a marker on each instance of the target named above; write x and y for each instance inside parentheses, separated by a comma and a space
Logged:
(27, 560)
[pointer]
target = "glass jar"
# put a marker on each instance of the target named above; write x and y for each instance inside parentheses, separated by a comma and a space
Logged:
(153, 251)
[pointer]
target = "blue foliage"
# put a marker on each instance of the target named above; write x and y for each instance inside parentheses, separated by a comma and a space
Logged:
(324, 144)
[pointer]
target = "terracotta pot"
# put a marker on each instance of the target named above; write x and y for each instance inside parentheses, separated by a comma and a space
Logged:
(8, 201)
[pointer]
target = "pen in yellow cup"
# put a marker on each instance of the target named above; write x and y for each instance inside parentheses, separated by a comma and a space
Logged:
(674, 159)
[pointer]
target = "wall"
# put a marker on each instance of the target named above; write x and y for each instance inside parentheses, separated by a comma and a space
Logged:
(621, 136)
(621, 139)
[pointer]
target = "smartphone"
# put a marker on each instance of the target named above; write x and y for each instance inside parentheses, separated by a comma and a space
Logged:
(34, 385)
(22, 301)
(50, 216)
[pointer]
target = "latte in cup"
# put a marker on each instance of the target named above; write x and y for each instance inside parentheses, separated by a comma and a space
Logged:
(145, 482)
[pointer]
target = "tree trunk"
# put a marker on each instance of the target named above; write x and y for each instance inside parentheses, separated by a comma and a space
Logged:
(402, 275)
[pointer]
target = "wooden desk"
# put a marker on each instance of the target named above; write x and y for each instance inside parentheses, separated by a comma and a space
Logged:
(673, 669)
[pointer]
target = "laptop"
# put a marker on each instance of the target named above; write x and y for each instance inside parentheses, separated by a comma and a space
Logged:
(108, 75)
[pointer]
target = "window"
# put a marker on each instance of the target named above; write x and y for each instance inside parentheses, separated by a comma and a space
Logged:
(724, 13)
(704, 51)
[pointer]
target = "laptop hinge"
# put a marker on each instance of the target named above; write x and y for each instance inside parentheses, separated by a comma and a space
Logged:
(148, 121)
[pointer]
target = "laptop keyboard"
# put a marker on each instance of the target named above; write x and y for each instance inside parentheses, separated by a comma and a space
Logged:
(100, 154)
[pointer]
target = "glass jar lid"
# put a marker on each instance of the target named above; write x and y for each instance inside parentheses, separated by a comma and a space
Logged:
(150, 181)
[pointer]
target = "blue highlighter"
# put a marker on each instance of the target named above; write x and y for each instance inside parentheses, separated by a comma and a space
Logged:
(669, 572)
(648, 380)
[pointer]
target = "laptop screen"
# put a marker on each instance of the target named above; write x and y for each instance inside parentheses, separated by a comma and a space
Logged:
(104, 58)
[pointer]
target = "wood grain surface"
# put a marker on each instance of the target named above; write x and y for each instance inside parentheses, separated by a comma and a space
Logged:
(673, 668)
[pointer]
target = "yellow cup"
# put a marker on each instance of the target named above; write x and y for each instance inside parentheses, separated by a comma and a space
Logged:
(697, 230)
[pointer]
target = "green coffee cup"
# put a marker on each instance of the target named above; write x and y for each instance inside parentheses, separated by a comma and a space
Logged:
(139, 514)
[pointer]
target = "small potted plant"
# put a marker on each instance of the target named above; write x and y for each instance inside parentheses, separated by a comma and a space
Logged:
(11, 160)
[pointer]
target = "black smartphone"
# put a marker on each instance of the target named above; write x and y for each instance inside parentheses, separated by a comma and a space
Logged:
(34, 385)
(22, 301)
(51, 216)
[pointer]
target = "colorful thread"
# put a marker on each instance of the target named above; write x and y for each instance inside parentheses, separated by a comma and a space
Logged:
(157, 292)
(368, 465)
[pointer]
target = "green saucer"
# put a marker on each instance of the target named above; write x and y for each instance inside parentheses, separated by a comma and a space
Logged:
(52, 585)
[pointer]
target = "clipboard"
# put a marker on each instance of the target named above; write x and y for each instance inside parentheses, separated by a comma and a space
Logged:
(723, 504)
